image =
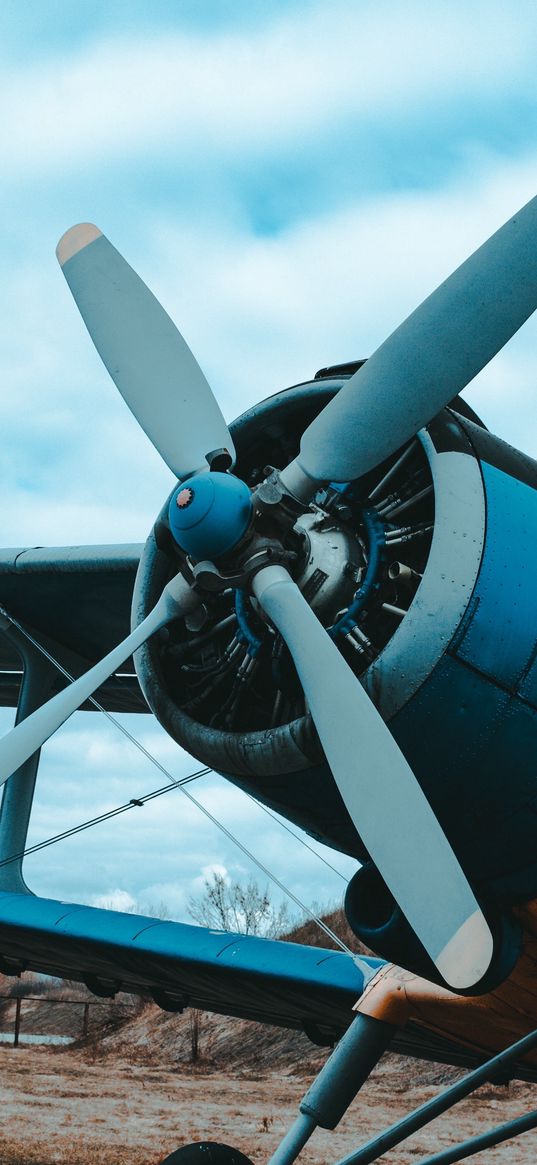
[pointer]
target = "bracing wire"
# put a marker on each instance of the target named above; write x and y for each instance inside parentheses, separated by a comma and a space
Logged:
(173, 783)
(135, 802)
(297, 837)
(109, 716)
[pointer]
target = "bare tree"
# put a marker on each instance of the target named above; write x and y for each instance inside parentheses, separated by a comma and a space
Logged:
(243, 908)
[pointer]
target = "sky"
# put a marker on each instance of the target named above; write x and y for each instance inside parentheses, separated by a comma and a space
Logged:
(290, 179)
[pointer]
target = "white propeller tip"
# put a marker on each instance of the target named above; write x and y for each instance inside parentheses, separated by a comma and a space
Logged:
(75, 239)
(466, 957)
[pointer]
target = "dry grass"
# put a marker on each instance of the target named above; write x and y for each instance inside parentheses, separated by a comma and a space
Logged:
(60, 1109)
(129, 1095)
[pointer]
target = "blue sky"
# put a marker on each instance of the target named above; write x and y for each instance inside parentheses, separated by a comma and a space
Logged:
(291, 179)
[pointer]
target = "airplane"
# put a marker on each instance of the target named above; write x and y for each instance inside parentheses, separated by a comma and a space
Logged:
(334, 610)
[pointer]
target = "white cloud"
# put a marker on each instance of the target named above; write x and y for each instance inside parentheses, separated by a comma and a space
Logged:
(215, 868)
(258, 312)
(228, 93)
(158, 854)
(116, 899)
(265, 312)
(167, 899)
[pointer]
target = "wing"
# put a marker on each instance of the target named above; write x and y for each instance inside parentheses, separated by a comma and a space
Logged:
(286, 984)
(76, 602)
(181, 965)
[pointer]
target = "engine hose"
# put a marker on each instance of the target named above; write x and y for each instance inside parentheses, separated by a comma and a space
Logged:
(243, 613)
(227, 712)
(376, 538)
(204, 671)
(213, 682)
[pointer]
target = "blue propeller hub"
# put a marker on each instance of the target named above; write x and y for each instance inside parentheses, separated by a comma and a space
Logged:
(209, 514)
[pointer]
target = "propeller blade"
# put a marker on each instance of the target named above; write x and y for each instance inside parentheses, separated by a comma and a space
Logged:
(16, 746)
(382, 795)
(146, 356)
(426, 362)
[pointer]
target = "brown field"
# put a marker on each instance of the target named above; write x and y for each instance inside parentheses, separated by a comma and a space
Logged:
(65, 1107)
(129, 1094)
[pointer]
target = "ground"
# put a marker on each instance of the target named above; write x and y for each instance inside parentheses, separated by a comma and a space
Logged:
(64, 1107)
(126, 1093)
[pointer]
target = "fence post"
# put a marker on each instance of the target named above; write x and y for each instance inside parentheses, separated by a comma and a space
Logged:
(85, 1020)
(18, 1003)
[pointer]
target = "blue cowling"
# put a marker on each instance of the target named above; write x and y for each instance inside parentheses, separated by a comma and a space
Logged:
(209, 514)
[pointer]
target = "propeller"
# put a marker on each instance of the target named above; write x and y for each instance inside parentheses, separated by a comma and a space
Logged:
(381, 793)
(426, 362)
(28, 735)
(146, 356)
(419, 369)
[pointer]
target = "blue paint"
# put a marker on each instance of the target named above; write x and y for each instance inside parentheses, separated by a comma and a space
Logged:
(244, 614)
(528, 684)
(287, 984)
(281, 983)
(499, 633)
(482, 781)
(480, 703)
(376, 538)
(209, 514)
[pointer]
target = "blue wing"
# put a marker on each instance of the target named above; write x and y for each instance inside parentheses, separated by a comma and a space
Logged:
(76, 601)
(286, 984)
(183, 966)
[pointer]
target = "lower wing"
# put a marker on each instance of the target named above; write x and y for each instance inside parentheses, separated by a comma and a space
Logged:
(307, 988)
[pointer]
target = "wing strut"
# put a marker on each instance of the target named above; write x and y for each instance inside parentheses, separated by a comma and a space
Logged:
(330, 1095)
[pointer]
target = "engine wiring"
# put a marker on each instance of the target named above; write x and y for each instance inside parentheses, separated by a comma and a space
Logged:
(173, 782)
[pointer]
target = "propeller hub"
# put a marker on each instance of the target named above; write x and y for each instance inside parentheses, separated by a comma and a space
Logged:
(209, 514)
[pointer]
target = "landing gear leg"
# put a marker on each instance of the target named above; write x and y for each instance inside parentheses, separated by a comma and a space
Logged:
(337, 1084)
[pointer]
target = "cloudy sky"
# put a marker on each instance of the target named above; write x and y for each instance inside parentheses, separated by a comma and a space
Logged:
(291, 179)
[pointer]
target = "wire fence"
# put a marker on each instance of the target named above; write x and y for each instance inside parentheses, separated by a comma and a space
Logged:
(84, 1004)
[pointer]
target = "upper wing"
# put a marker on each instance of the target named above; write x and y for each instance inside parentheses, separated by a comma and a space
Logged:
(76, 602)
(287, 984)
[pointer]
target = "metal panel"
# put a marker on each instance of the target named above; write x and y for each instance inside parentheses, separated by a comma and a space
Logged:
(528, 683)
(77, 596)
(472, 746)
(280, 983)
(499, 634)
